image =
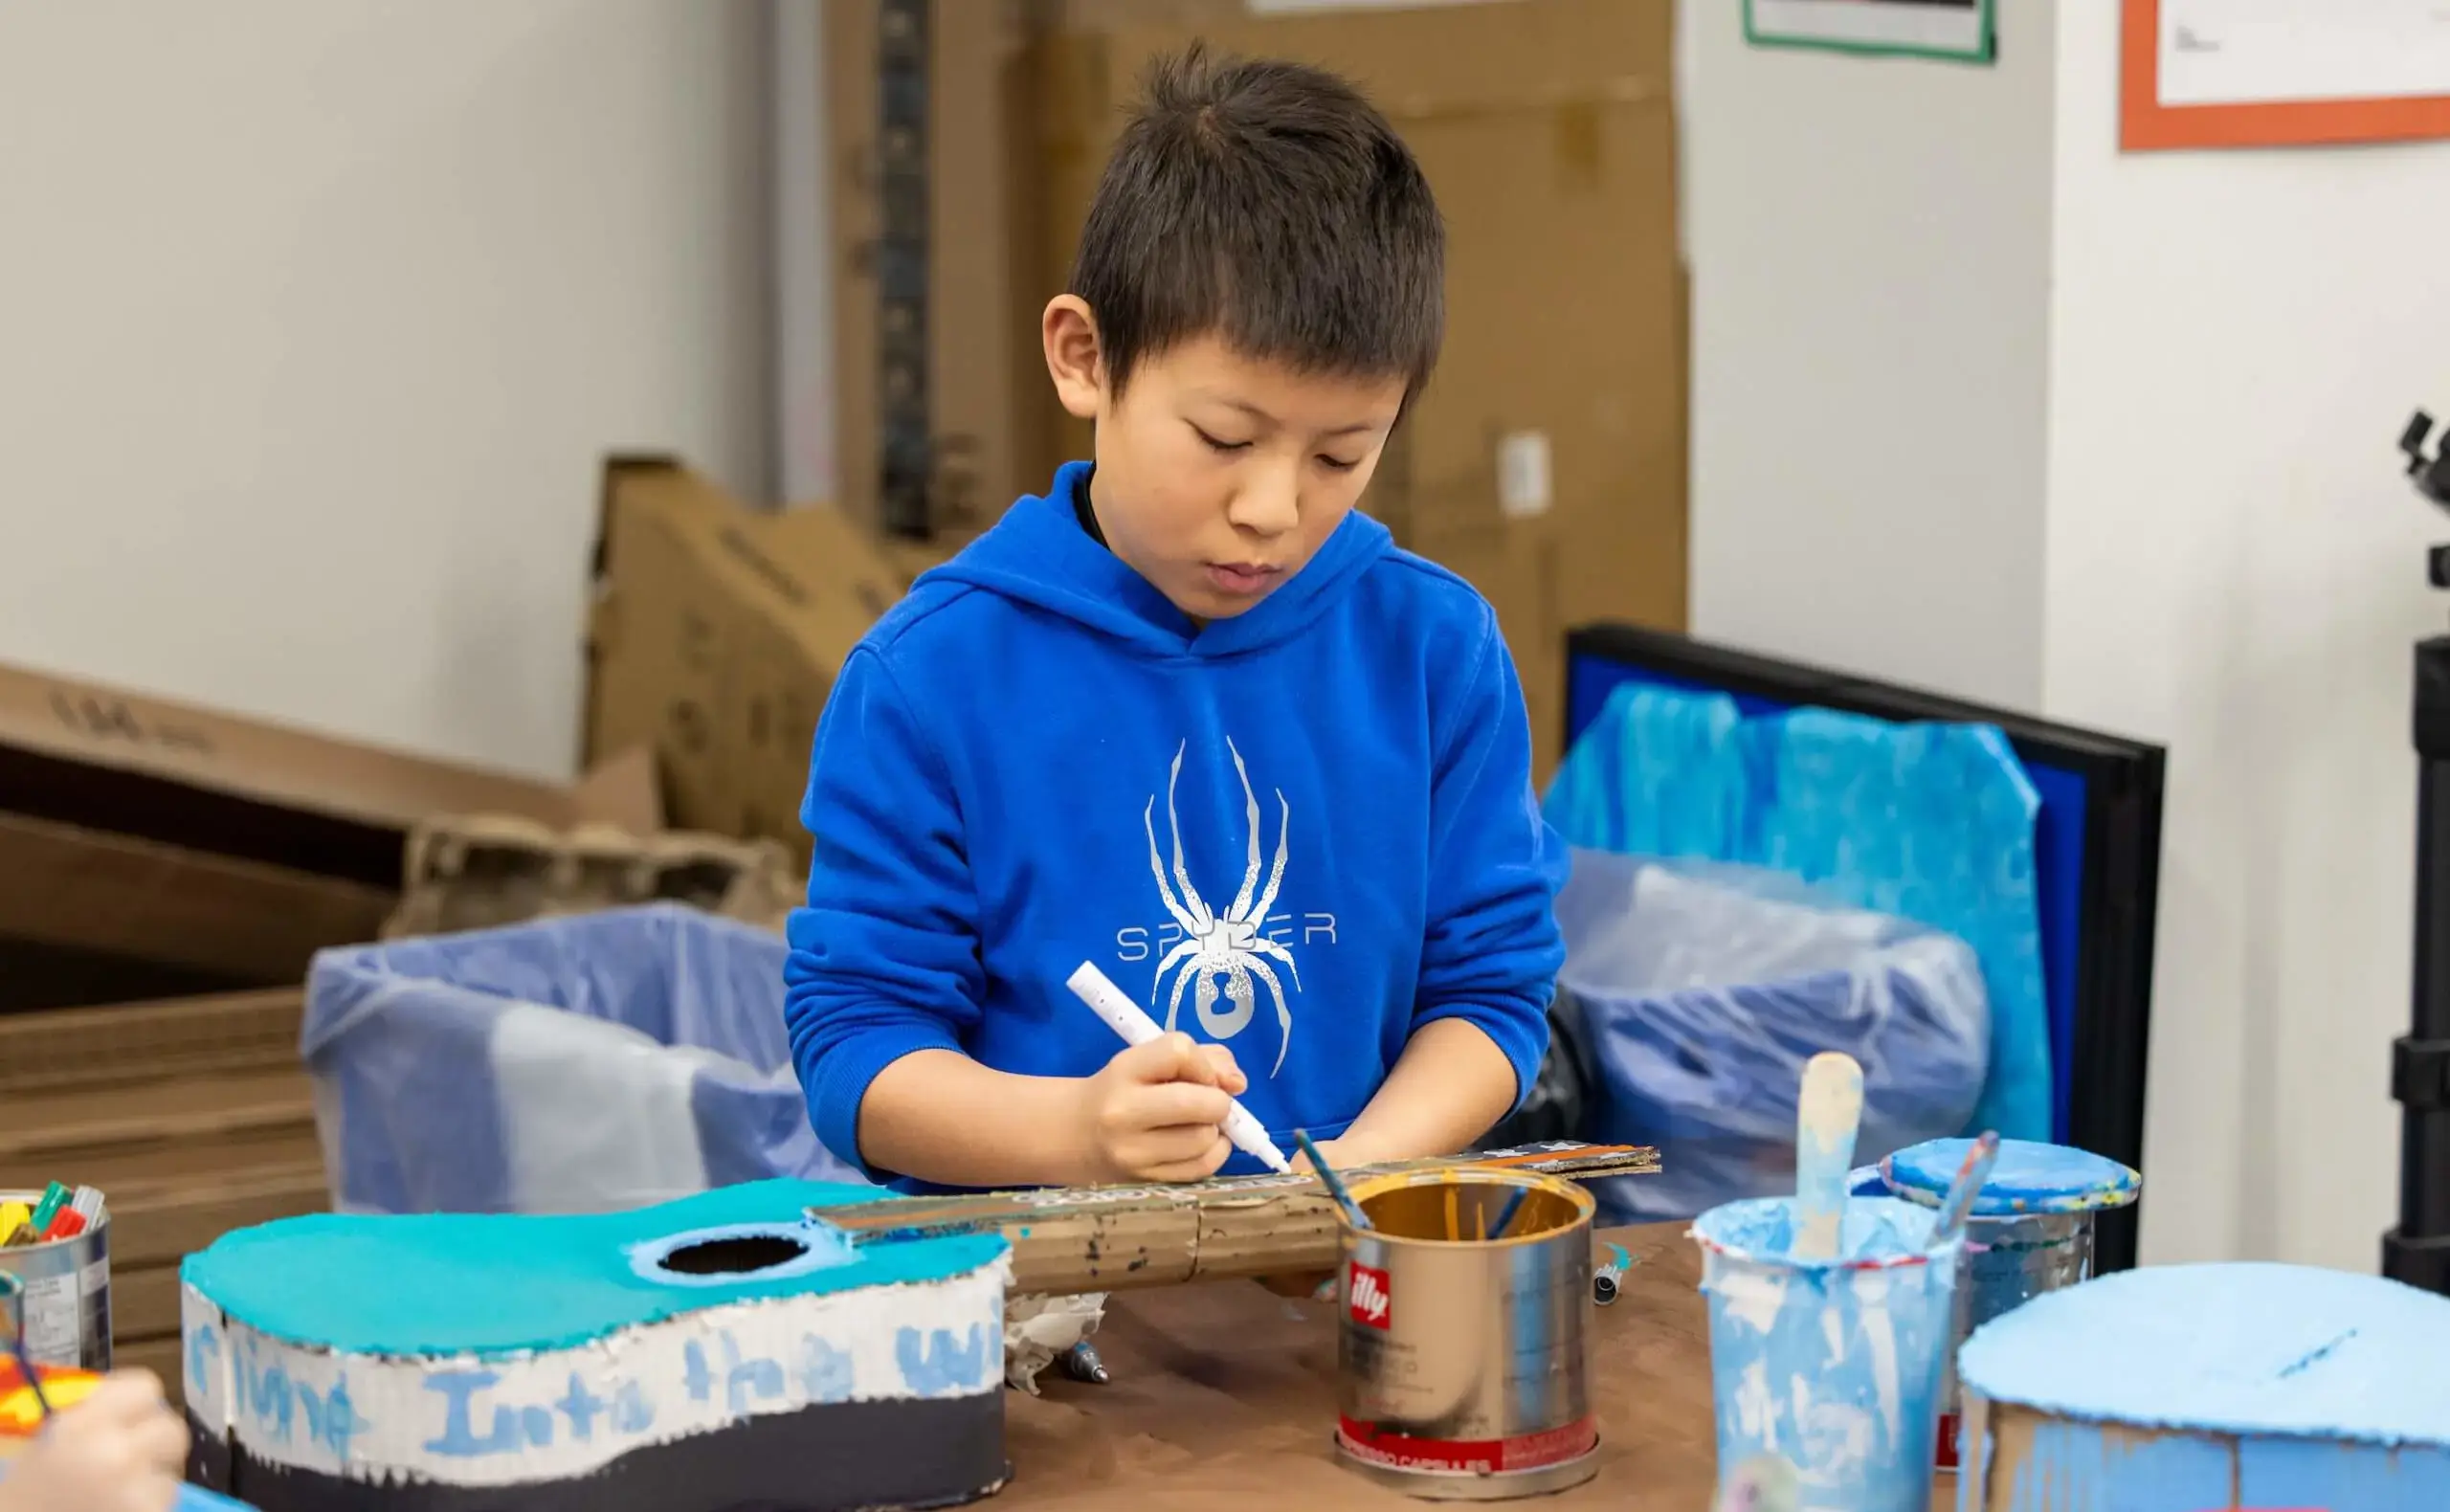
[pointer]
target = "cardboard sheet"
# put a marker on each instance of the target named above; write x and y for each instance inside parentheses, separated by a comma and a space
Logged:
(1223, 1399)
(152, 848)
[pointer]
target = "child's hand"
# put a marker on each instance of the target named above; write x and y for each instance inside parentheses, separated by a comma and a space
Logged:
(120, 1449)
(1156, 1112)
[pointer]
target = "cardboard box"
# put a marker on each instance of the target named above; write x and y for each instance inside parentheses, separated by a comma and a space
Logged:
(989, 404)
(716, 636)
(1547, 128)
(153, 846)
(481, 873)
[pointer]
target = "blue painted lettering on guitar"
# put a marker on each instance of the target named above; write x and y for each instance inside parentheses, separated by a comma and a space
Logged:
(938, 1363)
(468, 1432)
(826, 1375)
(204, 1352)
(582, 1407)
(265, 1402)
(460, 1439)
(331, 1420)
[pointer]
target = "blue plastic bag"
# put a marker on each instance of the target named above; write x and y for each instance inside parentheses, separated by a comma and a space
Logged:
(1705, 988)
(589, 1063)
(1929, 822)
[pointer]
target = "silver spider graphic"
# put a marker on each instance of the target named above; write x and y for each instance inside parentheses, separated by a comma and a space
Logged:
(1227, 945)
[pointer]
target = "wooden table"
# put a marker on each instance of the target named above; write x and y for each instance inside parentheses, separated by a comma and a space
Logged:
(1224, 1397)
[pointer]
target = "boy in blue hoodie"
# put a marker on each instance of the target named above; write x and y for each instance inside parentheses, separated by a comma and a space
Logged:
(1190, 717)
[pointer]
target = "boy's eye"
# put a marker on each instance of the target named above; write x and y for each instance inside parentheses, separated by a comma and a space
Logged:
(1216, 445)
(1337, 464)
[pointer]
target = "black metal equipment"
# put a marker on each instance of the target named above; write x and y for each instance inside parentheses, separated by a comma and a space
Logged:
(2418, 1252)
(903, 382)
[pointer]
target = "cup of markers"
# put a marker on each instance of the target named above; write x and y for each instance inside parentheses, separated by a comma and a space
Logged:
(56, 1243)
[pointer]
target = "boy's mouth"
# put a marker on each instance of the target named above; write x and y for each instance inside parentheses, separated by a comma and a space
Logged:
(1242, 579)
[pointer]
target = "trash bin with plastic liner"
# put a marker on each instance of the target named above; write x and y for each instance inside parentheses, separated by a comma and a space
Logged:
(587, 1063)
(1702, 989)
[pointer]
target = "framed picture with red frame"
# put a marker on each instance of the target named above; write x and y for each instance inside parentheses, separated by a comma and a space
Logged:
(2198, 74)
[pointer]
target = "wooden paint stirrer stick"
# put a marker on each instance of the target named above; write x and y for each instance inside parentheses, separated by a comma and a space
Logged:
(1827, 1117)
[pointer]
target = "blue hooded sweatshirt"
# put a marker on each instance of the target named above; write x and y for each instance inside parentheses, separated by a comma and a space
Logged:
(1302, 833)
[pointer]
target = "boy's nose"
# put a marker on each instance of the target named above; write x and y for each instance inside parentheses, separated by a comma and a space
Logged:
(1268, 504)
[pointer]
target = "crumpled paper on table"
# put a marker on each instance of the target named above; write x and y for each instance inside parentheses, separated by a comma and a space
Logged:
(1039, 1330)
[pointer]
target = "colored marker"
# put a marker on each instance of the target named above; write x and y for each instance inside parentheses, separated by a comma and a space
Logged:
(13, 1218)
(54, 1198)
(1127, 1018)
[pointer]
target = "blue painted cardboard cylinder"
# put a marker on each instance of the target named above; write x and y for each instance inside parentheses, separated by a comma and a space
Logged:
(1833, 1366)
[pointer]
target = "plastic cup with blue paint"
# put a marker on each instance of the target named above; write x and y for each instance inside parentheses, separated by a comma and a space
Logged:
(1832, 1365)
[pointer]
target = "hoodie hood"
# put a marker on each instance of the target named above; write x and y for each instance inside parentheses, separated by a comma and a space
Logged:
(1037, 554)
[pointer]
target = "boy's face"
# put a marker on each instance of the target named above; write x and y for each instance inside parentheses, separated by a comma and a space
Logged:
(1219, 476)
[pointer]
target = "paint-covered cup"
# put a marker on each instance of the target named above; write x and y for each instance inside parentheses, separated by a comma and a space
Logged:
(1833, 1366)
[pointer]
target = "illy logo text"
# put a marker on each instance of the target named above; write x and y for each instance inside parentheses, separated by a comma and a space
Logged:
(1372, 1306)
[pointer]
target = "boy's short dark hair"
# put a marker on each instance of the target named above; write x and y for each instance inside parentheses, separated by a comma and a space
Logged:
(1270, 204)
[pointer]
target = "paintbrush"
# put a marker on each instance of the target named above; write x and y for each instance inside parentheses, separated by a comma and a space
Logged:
(17, 1349)
(1329, 1179)
(1506, 1213)
(1827, 1116)
(1958, 1204)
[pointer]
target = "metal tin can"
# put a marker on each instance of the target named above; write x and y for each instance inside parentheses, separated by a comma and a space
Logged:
(12, 1310)
(2030, 1232)
(64, 1305)
(2008, 1262)
(1464, 1360)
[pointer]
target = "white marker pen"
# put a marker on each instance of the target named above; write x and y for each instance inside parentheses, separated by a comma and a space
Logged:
(1128, 1019)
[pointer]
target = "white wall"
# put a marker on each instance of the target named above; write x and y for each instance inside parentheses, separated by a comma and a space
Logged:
(2235, 567)
(1982, 404)
(316, 321)
(1870, 245)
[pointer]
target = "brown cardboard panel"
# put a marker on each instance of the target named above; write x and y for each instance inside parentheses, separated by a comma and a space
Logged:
(1516, 568)
(40, 974)
(716, 636)
(989, 399)
(159, 746)
(72, 1049)
(481, 873)
(155, 1220)
(226, 850)
(144, 1298)
(173, 1154)
(122, 896)
(173, 1128)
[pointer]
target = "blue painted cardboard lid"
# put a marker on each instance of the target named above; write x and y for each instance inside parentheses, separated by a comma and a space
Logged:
(2245, 1349)
(2028, 1177)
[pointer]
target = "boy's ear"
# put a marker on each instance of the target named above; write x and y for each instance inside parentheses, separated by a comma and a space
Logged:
(1070, 334)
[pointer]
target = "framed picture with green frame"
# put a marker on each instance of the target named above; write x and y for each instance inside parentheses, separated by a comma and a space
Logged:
(1963, 31)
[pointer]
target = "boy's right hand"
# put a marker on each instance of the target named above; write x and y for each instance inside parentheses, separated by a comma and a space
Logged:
(1157, 1111)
